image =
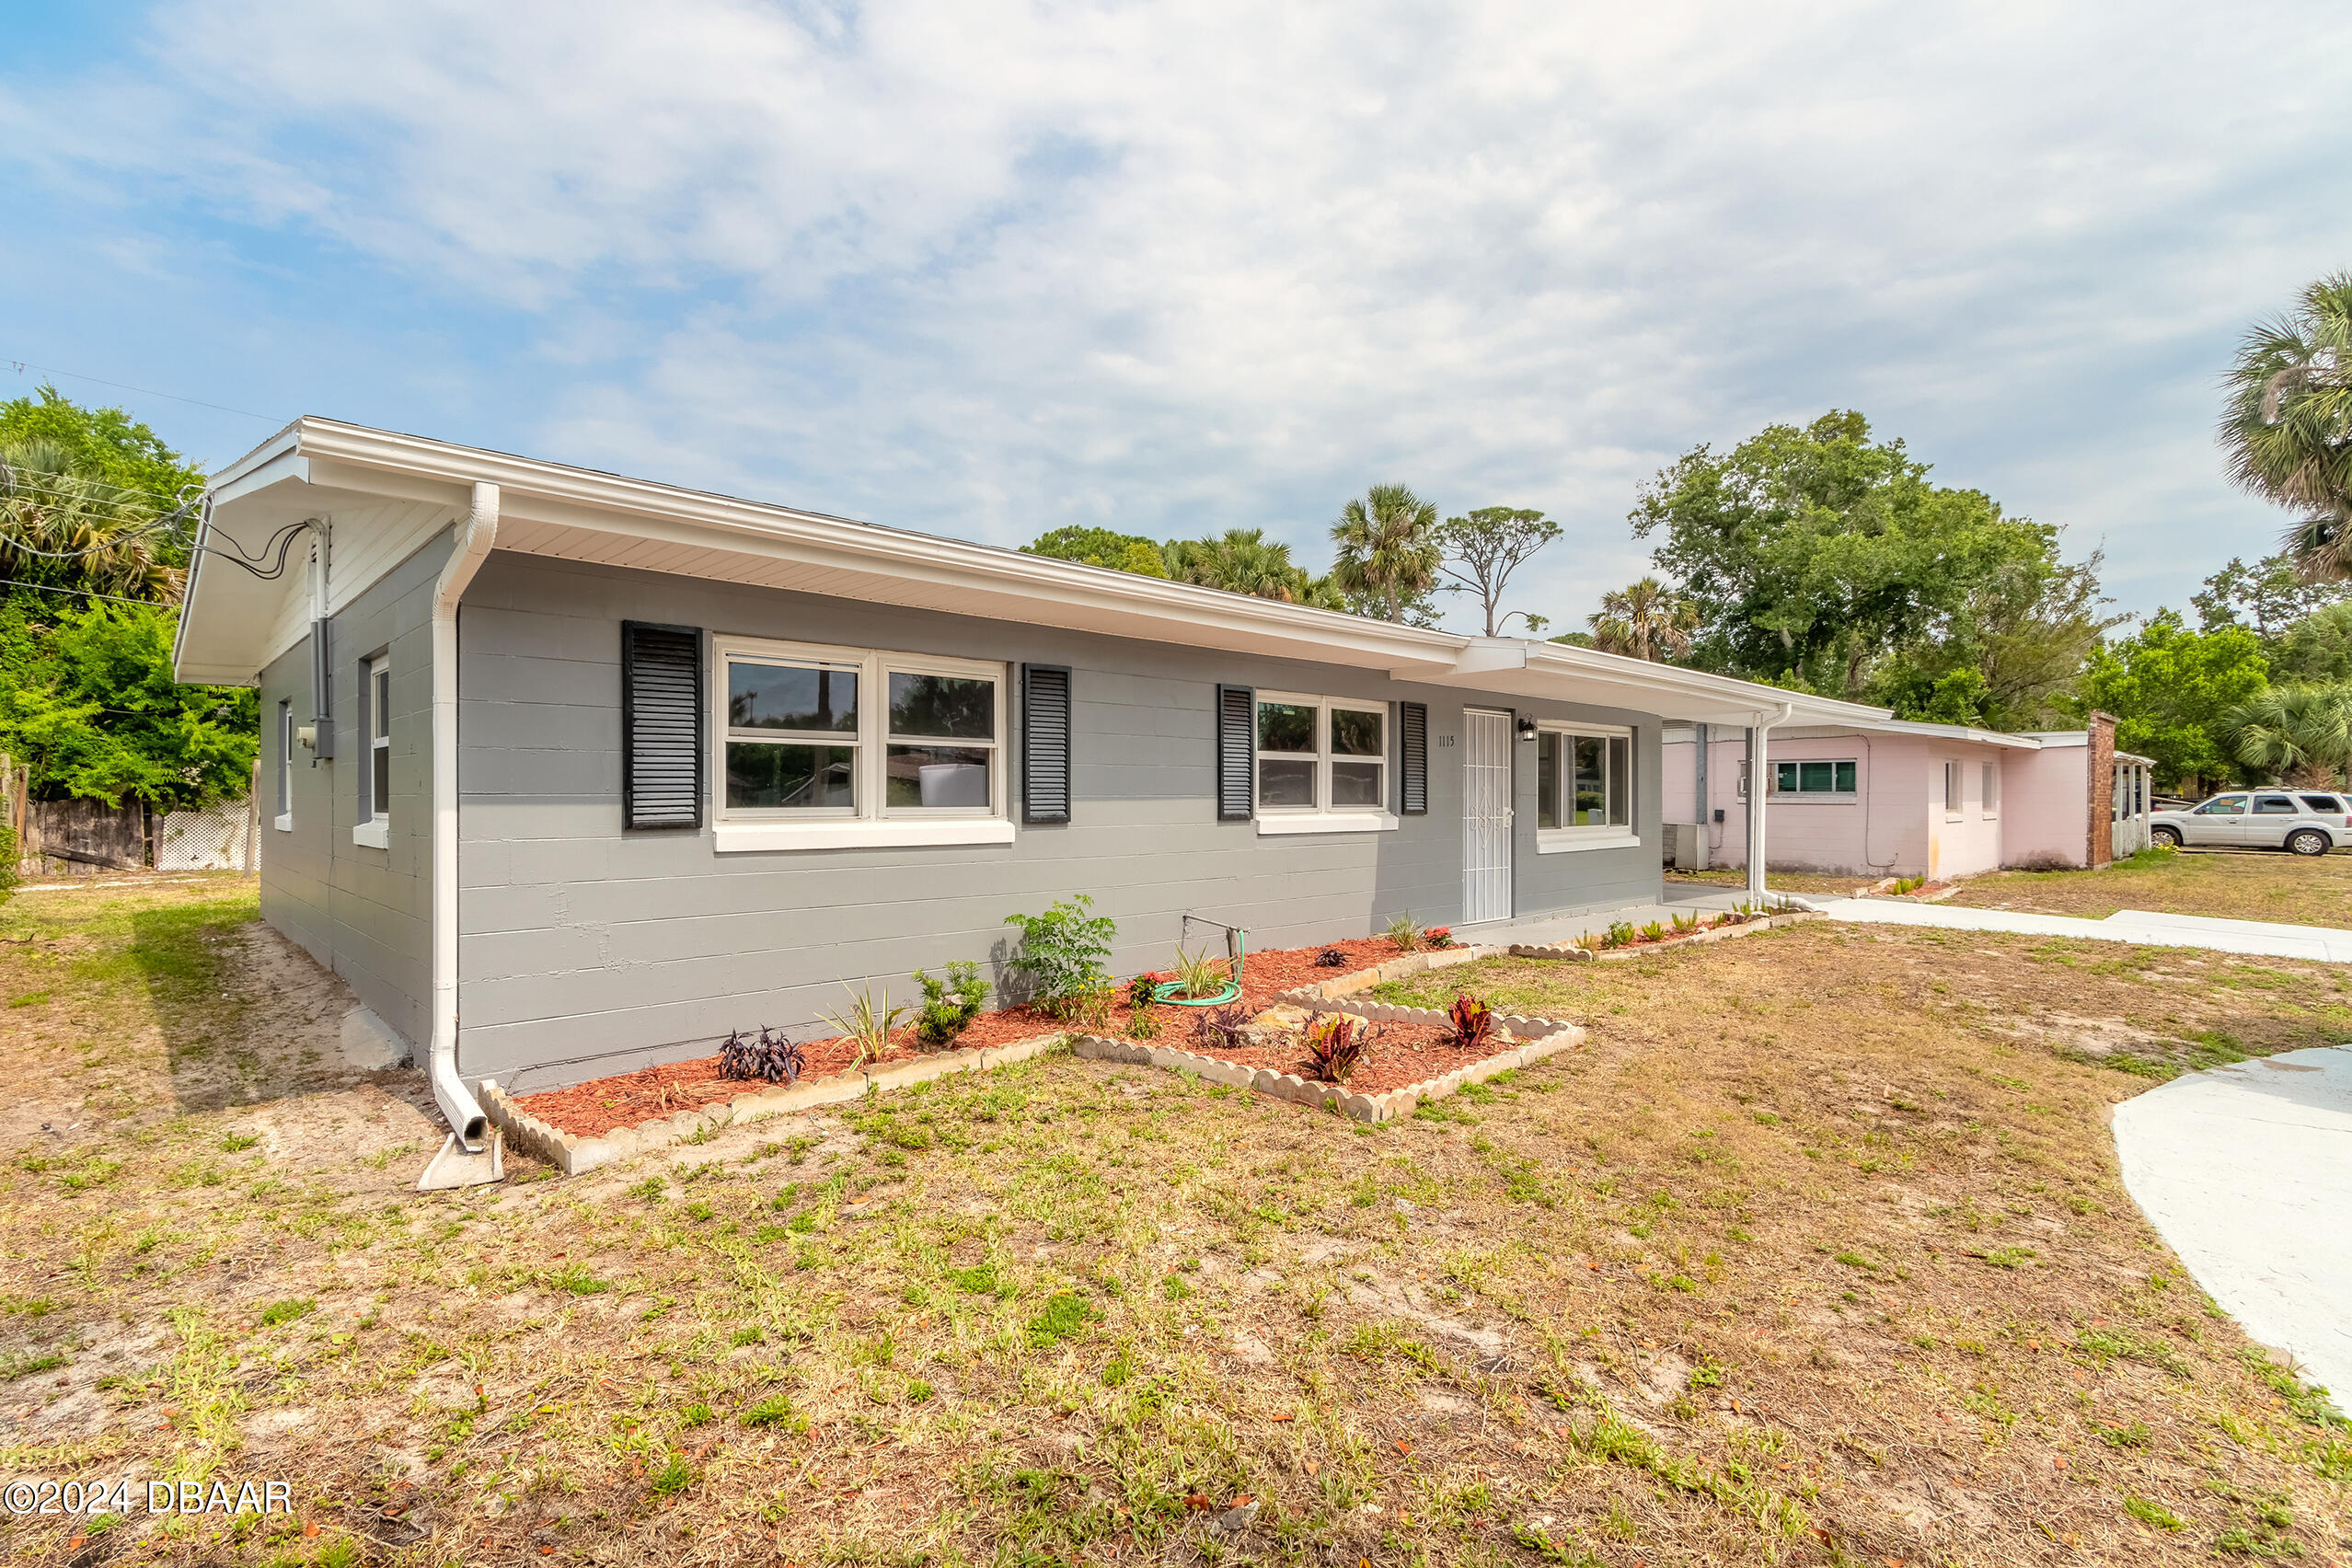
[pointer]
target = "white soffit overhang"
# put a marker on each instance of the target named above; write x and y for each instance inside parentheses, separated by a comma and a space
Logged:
(405, 488)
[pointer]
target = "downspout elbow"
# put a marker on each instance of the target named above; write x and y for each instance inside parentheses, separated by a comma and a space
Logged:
(474, 537)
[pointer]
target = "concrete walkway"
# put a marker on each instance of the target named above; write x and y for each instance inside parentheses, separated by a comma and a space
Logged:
(2141, 926)
(2246, 1170)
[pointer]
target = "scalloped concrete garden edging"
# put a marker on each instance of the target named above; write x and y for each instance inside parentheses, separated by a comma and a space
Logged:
(1388, 1107)
(573, 1153)
(1569, 953)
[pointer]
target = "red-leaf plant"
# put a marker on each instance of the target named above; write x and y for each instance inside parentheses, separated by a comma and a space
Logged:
(1473, 1023)
(1338, 1043)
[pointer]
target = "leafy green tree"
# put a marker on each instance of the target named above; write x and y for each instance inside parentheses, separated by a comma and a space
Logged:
(2286, 422)
(105, 446)
(1644, 620)
(2008, 658)
(1102, 547)
(2271, 597)
(1482, 549)
(1815, 554)
(2172, 691)
(2300, 733)
(2316, 649)
(1387, 551)
(88, 703)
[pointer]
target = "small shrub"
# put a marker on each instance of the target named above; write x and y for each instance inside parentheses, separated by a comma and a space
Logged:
(868, 1024)
(1063, 955)
(1143, 991)
(1331, 958)
(1338, 1043)
(1221, 1027)
(1143, 1023)
(949, 1005)
(1909, 884)
(1685, 924)
(1654, 932)
(1406, 932)
(1439, 936)
(1472, 1020)
(767, 1056)
(1619, 934)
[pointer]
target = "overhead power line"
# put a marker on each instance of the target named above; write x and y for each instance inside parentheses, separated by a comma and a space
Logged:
(23, 365)
(86, 593)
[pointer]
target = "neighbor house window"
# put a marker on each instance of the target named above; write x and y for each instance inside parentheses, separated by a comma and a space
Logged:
(285, 766)
(1989, 784)
(846, 735)
(1951, 789)
(1583, 785)
(374, 828)
(1323, 755)
(1812, 777)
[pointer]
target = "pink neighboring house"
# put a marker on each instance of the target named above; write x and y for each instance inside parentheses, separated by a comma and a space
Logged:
(1892, 798)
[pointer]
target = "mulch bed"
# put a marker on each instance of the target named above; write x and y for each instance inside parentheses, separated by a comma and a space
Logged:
(1401, 1054)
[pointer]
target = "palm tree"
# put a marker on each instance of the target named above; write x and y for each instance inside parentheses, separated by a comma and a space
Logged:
(1645, 621)
(2287, 425)
(62, 528)
(1244, 561)
(1387, 549)
(2301, 734)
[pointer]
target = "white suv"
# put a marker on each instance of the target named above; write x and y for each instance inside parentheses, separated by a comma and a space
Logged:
(2302, 822)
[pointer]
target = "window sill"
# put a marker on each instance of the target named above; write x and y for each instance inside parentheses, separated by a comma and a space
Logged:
(864, 833)
(1552, 841)
(285, 824)
(1328, 822)
(377, 834)
(1812, 798)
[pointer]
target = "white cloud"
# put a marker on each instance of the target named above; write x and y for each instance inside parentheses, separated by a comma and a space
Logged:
(988, 268)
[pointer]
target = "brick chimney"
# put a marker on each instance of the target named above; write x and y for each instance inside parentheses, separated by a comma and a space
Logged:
(2099, 790)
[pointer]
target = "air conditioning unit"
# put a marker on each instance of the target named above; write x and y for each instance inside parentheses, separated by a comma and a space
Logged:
(1685, 845)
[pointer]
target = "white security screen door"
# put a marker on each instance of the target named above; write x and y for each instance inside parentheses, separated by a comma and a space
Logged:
(1486, 816)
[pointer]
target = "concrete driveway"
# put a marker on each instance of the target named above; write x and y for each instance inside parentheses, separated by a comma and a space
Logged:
(2247, 1172)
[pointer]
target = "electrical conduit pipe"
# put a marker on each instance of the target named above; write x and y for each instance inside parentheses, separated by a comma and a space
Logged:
(475, 536)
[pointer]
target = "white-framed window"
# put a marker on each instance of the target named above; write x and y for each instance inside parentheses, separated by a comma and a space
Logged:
(1951, 790)
(821, 746)
(1989, 787)
(374, 829)
(1323, 764)
(1583, 786)
(284, 822)
(1833, 777)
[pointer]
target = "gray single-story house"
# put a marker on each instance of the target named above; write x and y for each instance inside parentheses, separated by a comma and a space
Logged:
(566, 773)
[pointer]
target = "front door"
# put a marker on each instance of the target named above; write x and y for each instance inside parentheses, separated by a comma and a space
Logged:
(1486, 816)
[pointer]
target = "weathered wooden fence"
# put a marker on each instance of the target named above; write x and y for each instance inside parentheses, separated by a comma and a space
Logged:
(85, 838)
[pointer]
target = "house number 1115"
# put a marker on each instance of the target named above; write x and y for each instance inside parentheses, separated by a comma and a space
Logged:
(1445, 741)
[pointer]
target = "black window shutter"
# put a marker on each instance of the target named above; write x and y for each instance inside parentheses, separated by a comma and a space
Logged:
(660, 726)
(1044, 743)
(1237, 752)
(1413, 743)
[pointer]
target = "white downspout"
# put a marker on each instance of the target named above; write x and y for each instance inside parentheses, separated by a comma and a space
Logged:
(475, 536)
(1759, 786)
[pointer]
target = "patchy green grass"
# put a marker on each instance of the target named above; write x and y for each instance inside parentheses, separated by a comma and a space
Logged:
(2231, 884)
(1721, 1287)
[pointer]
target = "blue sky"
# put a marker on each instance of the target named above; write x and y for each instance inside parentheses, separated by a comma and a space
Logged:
(988, 269)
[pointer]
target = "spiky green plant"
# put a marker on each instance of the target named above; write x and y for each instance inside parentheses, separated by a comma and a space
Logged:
(868, 1024)
(1406, 932)
(1200, 973)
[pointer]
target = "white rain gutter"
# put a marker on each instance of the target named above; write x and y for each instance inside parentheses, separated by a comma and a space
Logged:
(1759, 788)
(467, 1126)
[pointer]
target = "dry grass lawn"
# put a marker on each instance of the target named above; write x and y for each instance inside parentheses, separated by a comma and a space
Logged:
(1816, 1254)
(2232, 885)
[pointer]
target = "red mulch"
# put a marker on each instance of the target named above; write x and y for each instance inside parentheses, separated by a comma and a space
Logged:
(1401, 1054)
